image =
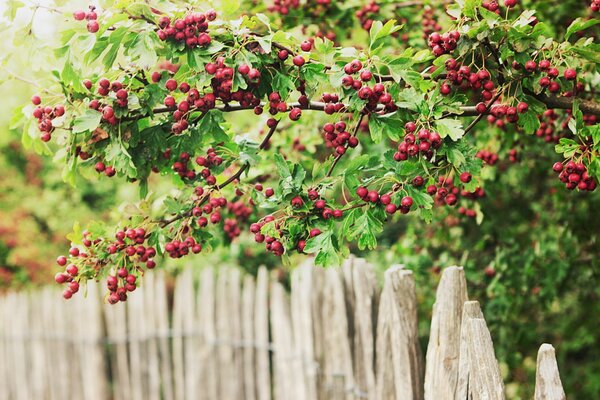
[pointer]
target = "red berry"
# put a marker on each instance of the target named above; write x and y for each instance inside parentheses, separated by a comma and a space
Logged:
(314, 232)
(306, 45)
(465, 177)
(79, 15)
(570, 74)
(93, 26)
(36, 100)
(406, 201)
(298, 61)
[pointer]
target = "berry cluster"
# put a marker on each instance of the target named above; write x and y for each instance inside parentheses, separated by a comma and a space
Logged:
(283, 7)
(443, 44)
(575, 175)
(548, 81)
(70, 273)
(332, 103)
(319, 205)
(104, 88)
(429, 23)
(211, 160)
(119, 293)
(45, 115)
(595, 6)
(129, 242)
(500, 114)
(462, 77)
(336, 137)
(374, 95)
(271, 244)
(191, 29)
(178, 249)
(488, 157)
(367, 14)
(277, 105)
(90, 16)
(373, 197)
(211, 209)
(109, 171)
(424, 142)
(241, 213)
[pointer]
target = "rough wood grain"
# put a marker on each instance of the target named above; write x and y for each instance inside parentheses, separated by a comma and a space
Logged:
(441, 366)
(208, 357)
(548, 385)
(261, 335)
(338, 372)
(302, 325)
(248, 295)
(366, 296)
(399, 361)
(283, 342)
(471, 309)
(485, 381)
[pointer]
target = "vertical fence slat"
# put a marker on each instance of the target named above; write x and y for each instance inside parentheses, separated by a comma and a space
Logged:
(337, 366)
(471, 309)
(248, 298)
(117, 335)
(261, 335)
(485, 381)
(162, 326)
(365, 316)
(151, 333)
(548, 385)
(399, 362)
(302, 279)
(281, 329)
(208, 364)
(441, 367)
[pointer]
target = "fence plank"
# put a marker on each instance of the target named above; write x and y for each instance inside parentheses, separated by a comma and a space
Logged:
(117, 334)
(548, 385)
(471, 309)
(399, 362)
(281, 330)
(161, 309)
(301, 314)
(365, 316)
(485, 381)
(337, 365)
(441, 367)
(249, 341)
(261, 335)
(208, 383)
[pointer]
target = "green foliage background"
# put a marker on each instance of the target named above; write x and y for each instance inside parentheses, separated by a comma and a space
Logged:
(541, 241)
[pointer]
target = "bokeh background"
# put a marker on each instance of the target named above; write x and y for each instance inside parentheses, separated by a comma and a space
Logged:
(533, 262)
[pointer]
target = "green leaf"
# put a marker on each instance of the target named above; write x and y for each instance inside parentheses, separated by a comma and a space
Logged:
(230, 6)
(144, 50)
(365, 229)
(388, 125)
(470, 8)
(580, 24)
(568, 147)
(326, 247)
(88, 121)
(379, 31)
(529, 122)
(450, 127)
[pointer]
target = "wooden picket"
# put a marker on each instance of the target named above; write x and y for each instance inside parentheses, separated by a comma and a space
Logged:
(218, 334)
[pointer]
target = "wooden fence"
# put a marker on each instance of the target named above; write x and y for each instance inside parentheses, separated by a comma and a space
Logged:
(336, 335)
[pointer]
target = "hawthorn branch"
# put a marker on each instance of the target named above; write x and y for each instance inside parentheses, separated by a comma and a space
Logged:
(229, 180)
(354, 132)
(480, 116)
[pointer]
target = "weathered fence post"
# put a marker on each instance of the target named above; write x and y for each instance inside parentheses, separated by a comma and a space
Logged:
(399, 359)
(471, 309)
(261, 335)
(441, 367)
(548, 385)
(485, 382)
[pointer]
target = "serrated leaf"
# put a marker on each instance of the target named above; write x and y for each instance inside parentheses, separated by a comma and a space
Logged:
(579, 25)
(385, 125)
(87, 122)
(450, 127)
